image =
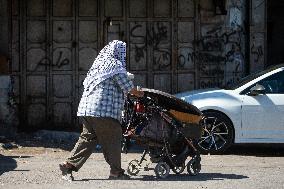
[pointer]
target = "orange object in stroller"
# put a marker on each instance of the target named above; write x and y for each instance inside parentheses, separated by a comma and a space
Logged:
(167, 128)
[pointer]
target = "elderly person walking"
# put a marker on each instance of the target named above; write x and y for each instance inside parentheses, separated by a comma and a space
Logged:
(100, 111)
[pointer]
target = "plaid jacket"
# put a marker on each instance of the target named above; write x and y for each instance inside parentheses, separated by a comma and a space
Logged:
(107, 98)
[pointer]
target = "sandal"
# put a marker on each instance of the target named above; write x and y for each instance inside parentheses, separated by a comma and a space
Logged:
(119, 177)
(66, 171)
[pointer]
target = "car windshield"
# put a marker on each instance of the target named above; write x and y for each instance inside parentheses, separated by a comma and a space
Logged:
(250, 77)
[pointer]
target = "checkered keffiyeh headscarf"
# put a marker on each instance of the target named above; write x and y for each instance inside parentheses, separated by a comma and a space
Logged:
(110, 61)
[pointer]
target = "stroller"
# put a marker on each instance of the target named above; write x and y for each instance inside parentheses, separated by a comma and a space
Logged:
(167, 128)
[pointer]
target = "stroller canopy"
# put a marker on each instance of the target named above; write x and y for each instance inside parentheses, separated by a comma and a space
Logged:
(169, 101)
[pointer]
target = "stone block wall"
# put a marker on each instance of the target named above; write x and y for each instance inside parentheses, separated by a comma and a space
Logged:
(221, 43)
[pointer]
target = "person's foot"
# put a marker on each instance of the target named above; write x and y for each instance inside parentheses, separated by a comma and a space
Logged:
(121, 176)
(66, 171)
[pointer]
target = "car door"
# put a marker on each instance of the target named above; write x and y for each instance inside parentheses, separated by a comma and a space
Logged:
(263, 115)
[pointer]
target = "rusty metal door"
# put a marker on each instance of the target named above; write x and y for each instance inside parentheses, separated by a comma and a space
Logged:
(160, 35)
(54, 43)
(74, 47)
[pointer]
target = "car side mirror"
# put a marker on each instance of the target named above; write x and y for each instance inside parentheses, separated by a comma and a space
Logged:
(257, 90)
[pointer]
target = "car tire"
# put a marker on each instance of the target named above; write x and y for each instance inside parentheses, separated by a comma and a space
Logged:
(218, 133)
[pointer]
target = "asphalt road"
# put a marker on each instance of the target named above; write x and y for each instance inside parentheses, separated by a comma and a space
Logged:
(241, 167)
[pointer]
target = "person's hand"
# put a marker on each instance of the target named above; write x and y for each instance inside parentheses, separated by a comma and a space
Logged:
(137, 92)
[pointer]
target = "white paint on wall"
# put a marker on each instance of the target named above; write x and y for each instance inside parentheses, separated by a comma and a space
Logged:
(235, 17)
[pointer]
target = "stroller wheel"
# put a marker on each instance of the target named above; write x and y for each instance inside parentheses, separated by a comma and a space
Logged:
(162, 170)
(179, 170)
(194, 166)
(133, 167)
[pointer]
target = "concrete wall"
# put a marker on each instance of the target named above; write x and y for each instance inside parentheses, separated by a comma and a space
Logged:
(221, 44)
(257, 35)
(8, 115)
(4, 33)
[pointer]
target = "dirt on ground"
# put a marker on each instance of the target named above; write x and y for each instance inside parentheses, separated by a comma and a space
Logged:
(34, 164)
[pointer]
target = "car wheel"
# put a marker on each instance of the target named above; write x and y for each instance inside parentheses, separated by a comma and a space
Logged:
(218, 133)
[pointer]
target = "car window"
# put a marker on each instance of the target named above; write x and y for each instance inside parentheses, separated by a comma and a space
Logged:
(273, 84)
(251, 77)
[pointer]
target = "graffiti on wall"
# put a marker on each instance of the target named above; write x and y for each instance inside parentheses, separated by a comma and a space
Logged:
(155, 35)
(220, 50)
(257, 52)
(217, 38)
(60, 61)
(185, 57)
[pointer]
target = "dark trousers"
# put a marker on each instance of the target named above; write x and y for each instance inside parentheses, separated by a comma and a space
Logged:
(104, 131)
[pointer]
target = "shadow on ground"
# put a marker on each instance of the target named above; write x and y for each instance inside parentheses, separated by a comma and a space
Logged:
(45, 141)
(52, 139)
(259, 150)
(199, 177)
(7, 163)
(67, 140)
(185, 177)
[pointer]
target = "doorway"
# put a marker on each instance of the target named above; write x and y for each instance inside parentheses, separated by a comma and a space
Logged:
(275, 33)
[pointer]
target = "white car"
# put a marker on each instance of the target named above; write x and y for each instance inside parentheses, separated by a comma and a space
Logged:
(252, 111)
